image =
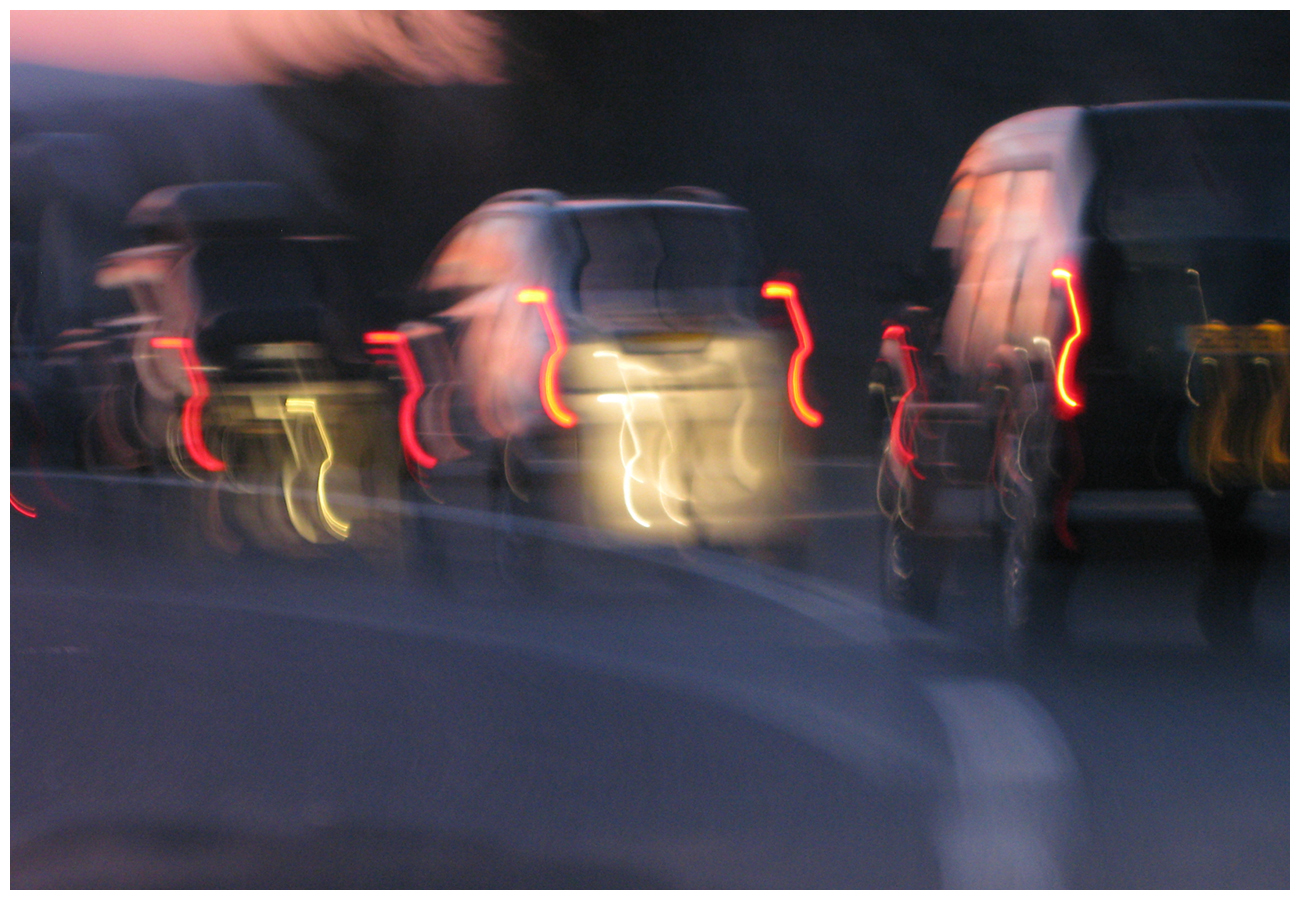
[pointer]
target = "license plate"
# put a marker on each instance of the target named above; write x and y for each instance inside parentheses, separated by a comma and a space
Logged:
(267, 406)
(1265, 339)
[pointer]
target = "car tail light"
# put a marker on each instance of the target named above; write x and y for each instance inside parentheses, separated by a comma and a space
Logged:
(401, 349)
(192, 412)
(548, 380)
(900, 445)
(783, 290)
(23, 508)
(1069, 395)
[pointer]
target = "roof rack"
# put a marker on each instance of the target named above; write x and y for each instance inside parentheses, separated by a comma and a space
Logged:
(690, 192)
(528, 195)
(235, 201)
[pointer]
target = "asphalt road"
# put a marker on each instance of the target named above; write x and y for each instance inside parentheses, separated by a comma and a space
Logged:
(1183, 751)
(606, 715)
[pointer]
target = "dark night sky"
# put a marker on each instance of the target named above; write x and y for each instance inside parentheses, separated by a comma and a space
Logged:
(839, 130)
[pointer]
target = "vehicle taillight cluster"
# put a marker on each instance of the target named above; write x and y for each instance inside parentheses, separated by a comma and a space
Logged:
(784, 291)
(400, 346)
(1069, 395)
(903, 447)
(192, 412)
(549, 377)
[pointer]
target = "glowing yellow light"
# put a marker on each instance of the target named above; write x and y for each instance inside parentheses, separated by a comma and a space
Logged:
(308, 406)
(628, 430)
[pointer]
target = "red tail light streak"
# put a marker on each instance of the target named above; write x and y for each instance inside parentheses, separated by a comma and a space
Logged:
(549, 378)
(905, 454)
(782, 290)
(401, 348)
(23, 508)
(192, 412)
(1069, 395)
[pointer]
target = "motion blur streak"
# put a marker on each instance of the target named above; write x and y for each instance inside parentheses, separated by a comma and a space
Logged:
(781, 290)
(629, 461)
(1067, 391)
(21, 507)
(896, 443)
(548, 380)
(307, 406)
(657, 449)
(192, 413)
(269, 46)
(401, 348)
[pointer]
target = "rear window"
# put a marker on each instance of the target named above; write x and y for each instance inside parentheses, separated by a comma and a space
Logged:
(674, 266)
(1194, 171)
(237, 274)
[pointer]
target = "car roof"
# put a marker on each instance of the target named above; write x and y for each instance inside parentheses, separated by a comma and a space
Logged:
(625, 203)
(225, 202)
(675, 198)
(1025, 140)
(1161, 105)
(1053, 132)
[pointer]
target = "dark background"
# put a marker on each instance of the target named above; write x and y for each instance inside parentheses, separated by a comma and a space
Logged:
(838, 130)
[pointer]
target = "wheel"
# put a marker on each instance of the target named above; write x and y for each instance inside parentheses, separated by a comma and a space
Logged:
(256, 502)
(1037, 566)
(912, 569)
(912, 565)
(1224, 605)
(107, 436)
(520, 552)
(365, 485)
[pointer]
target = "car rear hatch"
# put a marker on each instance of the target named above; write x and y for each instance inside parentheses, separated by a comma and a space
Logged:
(1187, 365)
(679, 389)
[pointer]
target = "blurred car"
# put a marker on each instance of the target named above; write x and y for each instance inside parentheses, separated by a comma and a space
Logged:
(622, 363)
(243, 365)
(1116, 317)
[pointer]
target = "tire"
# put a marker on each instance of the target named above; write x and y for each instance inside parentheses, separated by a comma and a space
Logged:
(520, 553)
(1224, 606)
(912, 568)
(367, 443)
(1037, 568)
(257, 506)
(912, 565)
(106, 446)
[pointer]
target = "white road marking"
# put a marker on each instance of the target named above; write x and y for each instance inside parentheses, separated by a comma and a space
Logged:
(1013, 818)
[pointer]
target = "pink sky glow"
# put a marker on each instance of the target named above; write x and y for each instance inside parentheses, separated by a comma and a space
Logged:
(232, 46)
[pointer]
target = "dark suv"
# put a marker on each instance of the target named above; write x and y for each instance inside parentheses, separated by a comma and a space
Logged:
(243, 366)
(1115, 317)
